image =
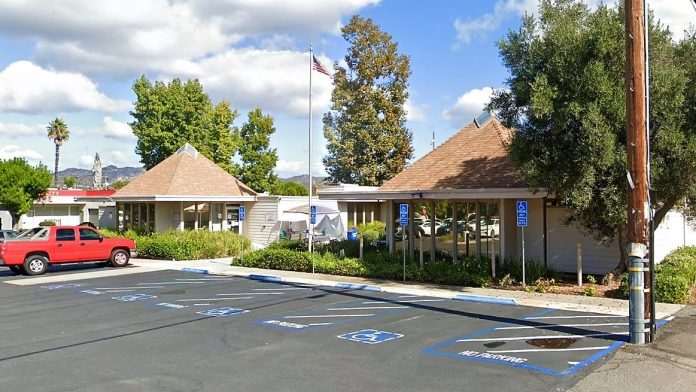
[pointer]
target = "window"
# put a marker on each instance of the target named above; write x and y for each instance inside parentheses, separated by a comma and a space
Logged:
(89, 235)
(65, 235)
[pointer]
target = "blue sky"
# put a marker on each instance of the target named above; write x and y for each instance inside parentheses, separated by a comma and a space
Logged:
(77, 59)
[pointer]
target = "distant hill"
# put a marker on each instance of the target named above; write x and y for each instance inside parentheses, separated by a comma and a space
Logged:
(110, 173)
(304, 180)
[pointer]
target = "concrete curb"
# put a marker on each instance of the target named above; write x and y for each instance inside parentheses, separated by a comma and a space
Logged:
(485, 299)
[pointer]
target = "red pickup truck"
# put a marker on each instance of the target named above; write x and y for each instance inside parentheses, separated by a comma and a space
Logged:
(32, 253)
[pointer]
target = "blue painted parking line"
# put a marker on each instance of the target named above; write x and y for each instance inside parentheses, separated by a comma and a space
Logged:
(222, 312)
(134, 297)
(370, 336)
(353, 286)
(195, 270)
(265, 278)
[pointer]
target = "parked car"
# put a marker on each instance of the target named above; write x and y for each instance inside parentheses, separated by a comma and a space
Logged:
(32, 253)
(7, 235)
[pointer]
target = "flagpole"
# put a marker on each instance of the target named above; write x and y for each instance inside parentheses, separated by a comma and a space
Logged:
(309, 164)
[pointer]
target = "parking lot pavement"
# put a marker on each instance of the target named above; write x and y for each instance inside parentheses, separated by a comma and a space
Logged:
(178, 331)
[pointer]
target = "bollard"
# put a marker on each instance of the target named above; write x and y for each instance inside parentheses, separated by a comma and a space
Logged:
(578, 259)
(420, 249)
(636, 305)
(361, 247)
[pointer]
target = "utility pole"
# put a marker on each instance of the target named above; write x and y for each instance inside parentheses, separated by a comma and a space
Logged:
(637, 159)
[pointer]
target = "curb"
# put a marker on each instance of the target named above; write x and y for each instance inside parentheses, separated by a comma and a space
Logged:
(195, 270)
(265, 278)
(485, 299)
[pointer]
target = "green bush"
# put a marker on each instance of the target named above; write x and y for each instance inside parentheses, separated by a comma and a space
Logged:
(671, 288)
(533, 270)
(186, 245)
(372, 231)
(378, 265)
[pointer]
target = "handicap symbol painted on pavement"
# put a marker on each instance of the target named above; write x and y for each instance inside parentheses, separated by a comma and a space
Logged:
(134, 297)
(222, 312)
(370, 336)
(61, 286)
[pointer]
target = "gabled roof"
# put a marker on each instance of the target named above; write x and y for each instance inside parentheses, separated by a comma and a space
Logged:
(186, 173)
(476, 157)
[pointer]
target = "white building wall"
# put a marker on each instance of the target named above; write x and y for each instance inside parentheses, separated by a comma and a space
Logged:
(261, 221)
(5, 220)
(675, 231)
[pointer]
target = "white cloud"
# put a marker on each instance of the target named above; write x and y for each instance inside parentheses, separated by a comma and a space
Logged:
(468, 105)
(120, 158)
(116, 129)
(13, 151)
(414, 112)
(677, 14)
(86, 161)
(284, 167)
(28, 88)
(276, 80)
(14, 130)
(134, 36)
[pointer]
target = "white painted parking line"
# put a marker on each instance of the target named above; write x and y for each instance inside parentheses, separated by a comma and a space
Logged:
(252, 294)
(211, 299)
(203, 279)
(319, 324)
(370, 308)
(118, 291)
(284, 289)
(403, 302)
(507, 339)
(573, 363)
(201, 304)
(375, 302)
(129, 288)
(329, 316)
(570, 317)
(549, 350)
(409, 296)
(562, 325)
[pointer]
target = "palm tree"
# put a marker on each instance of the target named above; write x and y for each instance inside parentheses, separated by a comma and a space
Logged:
(58, 132)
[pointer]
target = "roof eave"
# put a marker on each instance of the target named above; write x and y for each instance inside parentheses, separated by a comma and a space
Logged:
(438, 194)
(195, 198)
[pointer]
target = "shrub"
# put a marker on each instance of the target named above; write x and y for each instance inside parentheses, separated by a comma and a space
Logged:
(372, 231)
(590, 291)
(186, 245)
(288, 244)
(671, 288)
(533, 270)
(47, 223)
(591, 279)
(280, 259)
(543, 285)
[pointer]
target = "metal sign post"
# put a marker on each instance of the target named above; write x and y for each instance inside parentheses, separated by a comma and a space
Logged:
(403, 220)
(522, 214)
(312, 222)
(242, 216)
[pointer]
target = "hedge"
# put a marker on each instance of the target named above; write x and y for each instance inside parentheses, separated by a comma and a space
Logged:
(674, 279)
(187, 245)
(377, 265)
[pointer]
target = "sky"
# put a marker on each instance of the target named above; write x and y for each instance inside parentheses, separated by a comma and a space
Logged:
(77, 59)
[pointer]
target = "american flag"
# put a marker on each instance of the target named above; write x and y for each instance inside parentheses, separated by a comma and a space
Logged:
(316, 65)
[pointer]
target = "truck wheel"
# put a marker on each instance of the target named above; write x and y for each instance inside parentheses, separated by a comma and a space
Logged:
(119, 258)
(17, 269)
(35, 265)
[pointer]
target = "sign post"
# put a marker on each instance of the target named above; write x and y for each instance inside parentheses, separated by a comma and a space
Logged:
(242, 216)
(522, 214)
(312, 222)
(403, 220)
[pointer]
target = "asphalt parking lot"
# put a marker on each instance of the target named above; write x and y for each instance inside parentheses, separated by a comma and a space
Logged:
(180, 331)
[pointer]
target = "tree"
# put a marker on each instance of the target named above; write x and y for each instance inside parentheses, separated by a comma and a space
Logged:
(566, 99)
(21, 184)
(118, 184)
(167, 115)
(367, 139)
(288, 188)
(58, 133)
(258, 159)
(70, 181)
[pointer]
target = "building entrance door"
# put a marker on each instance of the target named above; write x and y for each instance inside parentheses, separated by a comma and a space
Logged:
(231, 221)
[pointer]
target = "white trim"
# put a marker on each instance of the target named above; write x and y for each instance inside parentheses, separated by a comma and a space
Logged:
(484, 193)
(185, 198)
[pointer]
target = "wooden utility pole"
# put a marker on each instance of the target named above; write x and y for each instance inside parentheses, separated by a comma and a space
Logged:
(637, 159)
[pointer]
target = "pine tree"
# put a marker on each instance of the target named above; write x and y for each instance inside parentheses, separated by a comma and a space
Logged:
(367, 140)
(258, 159)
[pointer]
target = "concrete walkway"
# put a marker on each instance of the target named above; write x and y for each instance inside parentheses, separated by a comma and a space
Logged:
(556, 301)
(667, 365)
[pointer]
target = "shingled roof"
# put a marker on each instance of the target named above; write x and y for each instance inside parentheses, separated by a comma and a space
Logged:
(476, 157)
(186, 173)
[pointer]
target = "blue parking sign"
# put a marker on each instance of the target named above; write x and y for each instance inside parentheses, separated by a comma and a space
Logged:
(522, 213)
(313, 215)
(370, 336)
(403, 214)
(242, 213)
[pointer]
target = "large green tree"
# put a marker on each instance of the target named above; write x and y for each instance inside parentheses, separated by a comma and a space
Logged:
(288, 188)
(58, 132)
(367, 140)
(167, 115)
(21, 184)
(566, 98)
(258, 158)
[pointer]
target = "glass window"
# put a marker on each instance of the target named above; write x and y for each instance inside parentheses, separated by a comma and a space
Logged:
(89, 235)
(65, 235)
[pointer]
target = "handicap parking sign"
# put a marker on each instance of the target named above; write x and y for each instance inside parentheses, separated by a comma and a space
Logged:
(134, 297)
(403, 214)
(370, 336)
(522, 210)
(222, 312)
(313, 215)
(242, 213)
